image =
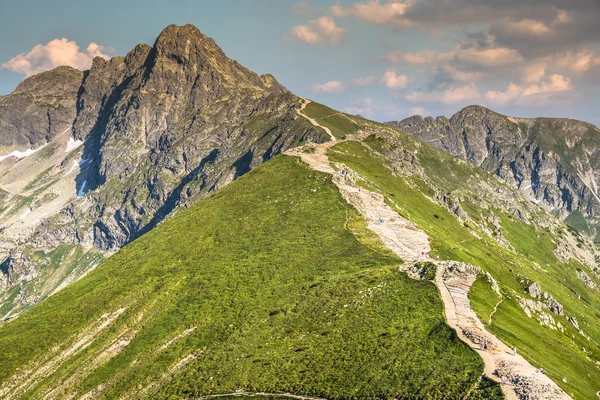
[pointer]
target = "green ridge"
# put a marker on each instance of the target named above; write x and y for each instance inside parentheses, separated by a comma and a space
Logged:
(282, 289)
(452, 240)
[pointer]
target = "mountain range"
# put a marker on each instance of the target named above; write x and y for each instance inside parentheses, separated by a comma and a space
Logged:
(554, 161)
(176, 226)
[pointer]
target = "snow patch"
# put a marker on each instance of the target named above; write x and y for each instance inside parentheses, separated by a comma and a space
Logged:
(72, 144)
(527, 187)
(81, 191)
(21, 154)
(536, 201)
(82, 161)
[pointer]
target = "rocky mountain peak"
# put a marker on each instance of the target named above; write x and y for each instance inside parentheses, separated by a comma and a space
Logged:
(48, 80)
(553, 160)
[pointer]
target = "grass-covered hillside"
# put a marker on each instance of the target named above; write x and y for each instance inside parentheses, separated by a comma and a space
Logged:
(272, 284)
(473, 217)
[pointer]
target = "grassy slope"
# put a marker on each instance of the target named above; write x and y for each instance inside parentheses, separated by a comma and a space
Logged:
(483, 299)
(332, 119)
(452, 240)
(282, 296)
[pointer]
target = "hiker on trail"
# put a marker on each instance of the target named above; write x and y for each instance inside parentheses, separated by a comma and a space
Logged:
(515, 351)
(480, 345)
(485, 345)
(381, 220)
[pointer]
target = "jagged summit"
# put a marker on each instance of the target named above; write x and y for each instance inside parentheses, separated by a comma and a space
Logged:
(553, 160)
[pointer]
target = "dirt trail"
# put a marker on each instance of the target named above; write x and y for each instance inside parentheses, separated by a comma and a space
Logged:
(407, 241)
(455, 294)
(306, 102)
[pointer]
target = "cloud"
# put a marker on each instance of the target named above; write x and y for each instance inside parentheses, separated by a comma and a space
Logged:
(303, 8)
(454, 95)
(579, 62)
(422, 57)
(319, 30)
(363, 107)
(489, 57)
(56, 53)
(533, 72)
(528, 27)
(364, 81)
(374, 11)
(419, 111)
(394, 81)
(484, 52)
(328, 87)
(536, 94)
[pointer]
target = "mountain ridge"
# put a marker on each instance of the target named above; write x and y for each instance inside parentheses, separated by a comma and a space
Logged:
(553, 160)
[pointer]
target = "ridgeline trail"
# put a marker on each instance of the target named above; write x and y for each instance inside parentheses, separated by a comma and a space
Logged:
(409, 242)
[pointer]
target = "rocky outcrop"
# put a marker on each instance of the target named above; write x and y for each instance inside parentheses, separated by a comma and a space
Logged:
(585, 278)
(535, 291)
(553, 161)
(161, 127)
(41, 107)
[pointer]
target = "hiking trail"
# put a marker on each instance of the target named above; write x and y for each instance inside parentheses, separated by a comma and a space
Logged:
(408, 241)
(300, 112)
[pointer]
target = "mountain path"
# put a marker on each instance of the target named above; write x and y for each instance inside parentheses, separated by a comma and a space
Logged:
(411, 244)
(300, 112)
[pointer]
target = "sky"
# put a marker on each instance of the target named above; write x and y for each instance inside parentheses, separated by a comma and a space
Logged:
(383, 59)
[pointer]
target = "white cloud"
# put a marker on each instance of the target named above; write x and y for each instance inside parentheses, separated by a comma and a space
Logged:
(577, 62)
(364, 81)
(486, 55)
(56, 53)
(535, 94)
(533, 72)
(454, 95)
(376, 12)
(328, 87)
(363, 107)
(394, 81)
(422, 57)
(319, 30)
(528, 27)
(419, 111)
(557, 83)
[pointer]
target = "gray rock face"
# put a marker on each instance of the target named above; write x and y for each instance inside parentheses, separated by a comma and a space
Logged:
(554, 161)
(42, 107)
(535, 291)
(162, 127)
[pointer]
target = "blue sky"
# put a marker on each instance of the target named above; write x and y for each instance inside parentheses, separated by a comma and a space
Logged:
(430, 57)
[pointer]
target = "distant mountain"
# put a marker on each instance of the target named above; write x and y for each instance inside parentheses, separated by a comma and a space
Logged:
(554, 161)
(94, 159)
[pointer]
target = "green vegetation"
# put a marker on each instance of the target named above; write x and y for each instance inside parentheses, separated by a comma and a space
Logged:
(483, 299)
(339, 123)
(576, 221)
(427, 270)
(487, 390)
(450, 239)
(269, 284)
